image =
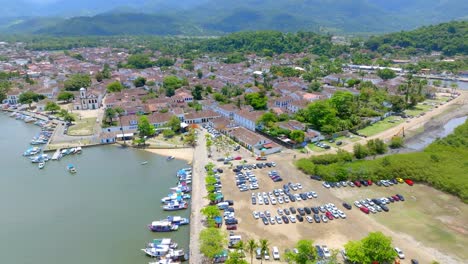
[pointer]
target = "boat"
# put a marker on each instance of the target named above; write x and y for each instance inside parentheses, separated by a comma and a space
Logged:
(175, 206)
(162, 241)
(29, 119)
(170, 158)
(40, 158)
(177, 220)
(162, 226)
(32, 151)
(164, 261)
(41, 165)
(71, 168)
(157, 252)
(178, 255)
(144, 163)
(78, 150)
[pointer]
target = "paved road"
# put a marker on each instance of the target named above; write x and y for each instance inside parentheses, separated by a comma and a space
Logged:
(198, 192)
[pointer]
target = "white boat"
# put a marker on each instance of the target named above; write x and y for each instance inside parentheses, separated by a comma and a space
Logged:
(162, 241)
(162, 226)
(170, 158)
(78, 150)
(157, 252)
(175, 206)
(144, 163)
(71, 168)
(41, 165)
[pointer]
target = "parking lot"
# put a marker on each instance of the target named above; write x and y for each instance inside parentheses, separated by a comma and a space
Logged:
(334, 233)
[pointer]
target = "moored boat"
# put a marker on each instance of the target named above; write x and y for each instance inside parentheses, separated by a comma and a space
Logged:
(162, 241)
(162, 226)
(144, 162)
(157, 252)
(41, 165)
(175, 206)
(170, 158)
(177, 220)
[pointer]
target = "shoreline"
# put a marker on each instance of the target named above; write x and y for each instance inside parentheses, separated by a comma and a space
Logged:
(179, 153)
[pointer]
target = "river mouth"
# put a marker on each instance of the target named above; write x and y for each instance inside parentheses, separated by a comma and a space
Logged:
(431, 133)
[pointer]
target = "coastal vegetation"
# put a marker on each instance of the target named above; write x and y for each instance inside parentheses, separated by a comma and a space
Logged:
(212, 242)
(443, 165)
(306, 253)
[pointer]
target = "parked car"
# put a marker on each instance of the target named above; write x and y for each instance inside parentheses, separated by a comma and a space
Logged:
(357, 183)
(400, 197)
(276, 254)
(315, 210)
(293, 210)
(309, 219)
(400, 253)
(315, 177)
(285, 219)
(319, 251)
(409, 182)
(364, 209)
(347, 206)
(414, 261)
(326, 252)
(316, 218)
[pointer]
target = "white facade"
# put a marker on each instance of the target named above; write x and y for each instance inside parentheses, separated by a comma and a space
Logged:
(244, 122)
(87, 101)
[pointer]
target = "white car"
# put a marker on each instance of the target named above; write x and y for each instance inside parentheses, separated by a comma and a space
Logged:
(314, 194)
(298, 197)
(342, 215)
(255, 214)
(309, 219)
(326, 185)
(260, 201)
(273, 164)
(280, 211)
(286, 199)
(272, 220)
(324, 218)
(279, 220)
(292, 218)
(400, 253)
(299, 186)
(326, 252)
(280, 200)
(276, 254)
(273, 200)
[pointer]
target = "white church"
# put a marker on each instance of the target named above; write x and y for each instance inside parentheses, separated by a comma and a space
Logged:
(87, 100)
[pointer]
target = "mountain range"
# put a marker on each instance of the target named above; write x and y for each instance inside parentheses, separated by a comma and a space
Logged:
(214, 17)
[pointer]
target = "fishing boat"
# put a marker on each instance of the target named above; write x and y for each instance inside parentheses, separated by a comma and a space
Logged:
(162, 241)
(157, 252)
(29, 119)
(177, 220)
(78, 150)
(174, 206)
(162, 226)
(32, 151)
(144, 163)
(170, 158)
(41, 165)
(40, 158)
(178, 255)
(71, 168)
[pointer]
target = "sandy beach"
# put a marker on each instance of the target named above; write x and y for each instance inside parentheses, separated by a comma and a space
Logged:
(179, 153)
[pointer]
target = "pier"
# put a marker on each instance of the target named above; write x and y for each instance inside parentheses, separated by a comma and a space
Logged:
(56, 155)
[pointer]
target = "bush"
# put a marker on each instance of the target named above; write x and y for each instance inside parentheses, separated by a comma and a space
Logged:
(167, 133)
(396, 142)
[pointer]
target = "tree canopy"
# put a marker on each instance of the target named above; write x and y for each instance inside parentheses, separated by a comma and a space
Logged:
(376, 247)
(256, 100)
(77, 81)
(145, 128)
(29, 97)
(212, 242)
(65, 96)
(114, 87)
(139, 61)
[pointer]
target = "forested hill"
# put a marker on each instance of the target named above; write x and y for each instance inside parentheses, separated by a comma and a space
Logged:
(217, 17)
(450, 38)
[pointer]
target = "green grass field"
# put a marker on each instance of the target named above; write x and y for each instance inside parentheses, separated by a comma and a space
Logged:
(381, 126)
(83, 127)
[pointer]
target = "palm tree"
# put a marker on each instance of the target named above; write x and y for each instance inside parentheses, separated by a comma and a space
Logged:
(263, 247)
(120, 112)
(251, 247)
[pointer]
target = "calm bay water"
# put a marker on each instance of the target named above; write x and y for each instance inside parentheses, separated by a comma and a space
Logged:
(98, 215)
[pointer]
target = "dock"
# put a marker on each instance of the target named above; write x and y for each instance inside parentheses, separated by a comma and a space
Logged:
(57, 154)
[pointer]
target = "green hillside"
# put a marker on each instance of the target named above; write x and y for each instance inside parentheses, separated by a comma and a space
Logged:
(450, 38)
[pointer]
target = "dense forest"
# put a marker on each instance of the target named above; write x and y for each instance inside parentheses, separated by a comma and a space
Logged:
(449, 38)
(443, 164)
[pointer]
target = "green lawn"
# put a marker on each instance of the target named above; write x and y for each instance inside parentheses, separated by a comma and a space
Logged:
(83, 127)
(315, 148)
(380, 126)
(419, 109)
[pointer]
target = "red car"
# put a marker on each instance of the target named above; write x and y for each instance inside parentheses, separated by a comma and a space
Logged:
(357, 183)
(369, 182)
(261, 158)
(396, 198)
(238, 158)
(364, 209)
(231, 227)
(409, 182)
(329, 215)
